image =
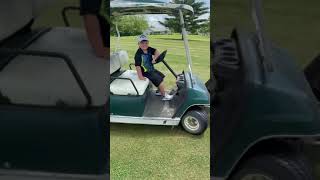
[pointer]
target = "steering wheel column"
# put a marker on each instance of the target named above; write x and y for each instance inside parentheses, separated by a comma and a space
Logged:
(160, 58)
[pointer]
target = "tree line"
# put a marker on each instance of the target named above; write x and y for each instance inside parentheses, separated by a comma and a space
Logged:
(135, 25)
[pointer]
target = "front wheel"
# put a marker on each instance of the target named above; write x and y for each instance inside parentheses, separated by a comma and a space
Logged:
(274, 167)
(195, 121)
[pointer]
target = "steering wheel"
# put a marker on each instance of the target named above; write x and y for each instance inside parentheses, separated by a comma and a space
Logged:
(161, 57)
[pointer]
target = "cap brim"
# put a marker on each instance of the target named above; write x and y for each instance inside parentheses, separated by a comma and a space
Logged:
(143, 40)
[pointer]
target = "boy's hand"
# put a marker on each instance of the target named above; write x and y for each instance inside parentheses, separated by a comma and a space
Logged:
(155, 56)
(141, 77)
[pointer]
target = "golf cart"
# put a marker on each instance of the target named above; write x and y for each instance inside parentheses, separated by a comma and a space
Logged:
(134, 101)
(52, 99)
(265, 111)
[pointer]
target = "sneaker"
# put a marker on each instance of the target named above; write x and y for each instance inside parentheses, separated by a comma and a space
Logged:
(157, 93)
(167, 97)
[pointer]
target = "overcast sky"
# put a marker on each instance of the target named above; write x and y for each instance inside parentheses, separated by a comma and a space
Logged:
(153, 19)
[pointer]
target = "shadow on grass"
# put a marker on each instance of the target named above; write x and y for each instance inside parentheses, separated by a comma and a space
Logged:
(130, 130)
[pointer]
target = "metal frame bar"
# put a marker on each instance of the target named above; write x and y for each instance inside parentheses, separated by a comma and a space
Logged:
(145, 120)
(118, 37)
(186, 44)
(64, 14)
(135, 88)
(170, 69)
(61, 56)
(24, 45)
(131, 65)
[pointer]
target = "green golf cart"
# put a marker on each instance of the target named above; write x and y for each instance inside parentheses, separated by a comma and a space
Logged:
(52, 99)
(134, 101)
(265, 112)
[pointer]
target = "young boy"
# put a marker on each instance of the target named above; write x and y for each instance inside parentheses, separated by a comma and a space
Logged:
(144, 60)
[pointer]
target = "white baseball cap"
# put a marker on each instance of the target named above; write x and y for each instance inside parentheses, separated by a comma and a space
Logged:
(142, 37)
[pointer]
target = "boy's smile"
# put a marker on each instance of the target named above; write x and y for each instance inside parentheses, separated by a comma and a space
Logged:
(144, 45)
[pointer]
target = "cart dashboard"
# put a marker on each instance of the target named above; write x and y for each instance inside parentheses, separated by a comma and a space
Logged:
(180, 81)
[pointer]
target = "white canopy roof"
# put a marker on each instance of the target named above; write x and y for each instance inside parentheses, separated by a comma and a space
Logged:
(123, 7)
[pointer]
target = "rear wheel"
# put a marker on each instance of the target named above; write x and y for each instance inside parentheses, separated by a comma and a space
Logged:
(275, 167)
(195, 121)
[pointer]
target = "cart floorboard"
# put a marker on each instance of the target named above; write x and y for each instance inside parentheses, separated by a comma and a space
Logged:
(156, 107)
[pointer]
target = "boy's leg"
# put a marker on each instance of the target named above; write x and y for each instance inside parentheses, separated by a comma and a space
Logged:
(162, 89)
(161, 86)
(157, 80)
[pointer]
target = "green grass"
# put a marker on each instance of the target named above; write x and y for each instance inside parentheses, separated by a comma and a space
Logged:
(159, 152)
(176, 58)
(293, 25)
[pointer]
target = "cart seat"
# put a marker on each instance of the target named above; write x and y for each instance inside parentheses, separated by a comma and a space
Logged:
(114, 63)
(15, 14)
(46, 81)
(125, 87)
(117, 60)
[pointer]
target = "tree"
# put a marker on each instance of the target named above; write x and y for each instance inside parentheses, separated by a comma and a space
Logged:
(192, 21)
(129, 25)
(205, 28)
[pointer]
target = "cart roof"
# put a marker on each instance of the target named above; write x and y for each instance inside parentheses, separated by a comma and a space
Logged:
(125, 7)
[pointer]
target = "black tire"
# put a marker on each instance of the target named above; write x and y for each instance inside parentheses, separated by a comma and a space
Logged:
(275, 167)
(198, 116)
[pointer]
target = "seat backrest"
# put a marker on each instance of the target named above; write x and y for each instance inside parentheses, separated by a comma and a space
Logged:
(114, 63)
(123, 56)
(16, 14)
(39, 6)
(117, 60)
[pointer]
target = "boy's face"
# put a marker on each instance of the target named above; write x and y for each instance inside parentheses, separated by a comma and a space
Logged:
(144, 45)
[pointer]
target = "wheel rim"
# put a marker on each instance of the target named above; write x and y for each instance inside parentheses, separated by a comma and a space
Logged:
(191, 123)
(256, 177)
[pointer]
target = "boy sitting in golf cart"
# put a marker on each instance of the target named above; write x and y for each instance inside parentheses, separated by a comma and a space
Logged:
(144, 59)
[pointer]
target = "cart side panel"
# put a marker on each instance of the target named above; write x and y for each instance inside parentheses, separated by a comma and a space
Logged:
(127, 105)
(54, 140)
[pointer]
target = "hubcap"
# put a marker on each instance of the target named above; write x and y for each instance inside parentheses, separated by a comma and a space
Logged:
(256, 177)
(191, 123)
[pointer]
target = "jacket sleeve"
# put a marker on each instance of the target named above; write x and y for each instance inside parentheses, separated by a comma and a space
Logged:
(90, 7)
(137, 58)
